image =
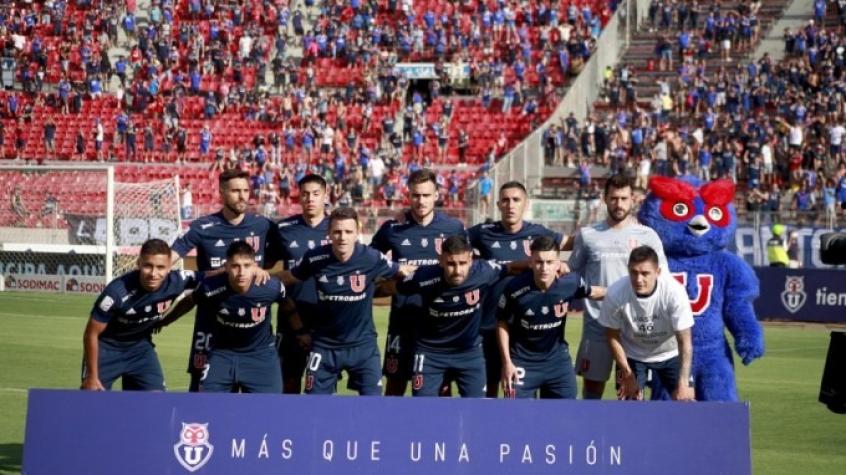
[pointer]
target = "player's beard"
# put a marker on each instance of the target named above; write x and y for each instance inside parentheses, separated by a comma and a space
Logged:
(616, 215)
(237, 208)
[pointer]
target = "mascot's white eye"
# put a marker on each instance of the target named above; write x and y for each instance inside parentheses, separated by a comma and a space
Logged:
(715, 213)
(680, 209)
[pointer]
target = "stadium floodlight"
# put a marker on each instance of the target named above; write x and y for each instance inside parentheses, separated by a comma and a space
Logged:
(74, 228)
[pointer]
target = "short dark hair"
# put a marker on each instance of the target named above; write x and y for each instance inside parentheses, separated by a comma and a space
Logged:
(240, 248)
(339, 214)
(543, 244)
(422, 176)
(513, 184)
(232, 174)
(618, 181)
(154, 247)
(457, 244)
(312, 178)
(643, 254)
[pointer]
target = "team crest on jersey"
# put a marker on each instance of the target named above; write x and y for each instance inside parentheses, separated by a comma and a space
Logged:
(357, 283)
(417, 383)
(193, 449)
(163, 306)
(793, 297)
(254, 241)
(258, 313)
(472, 297)
(704, 288)
(561, 309)
(309, 382)
(200, 360)
(439, 242)
(391, 365)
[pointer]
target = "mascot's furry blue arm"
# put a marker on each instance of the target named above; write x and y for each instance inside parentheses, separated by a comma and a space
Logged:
(695, 223)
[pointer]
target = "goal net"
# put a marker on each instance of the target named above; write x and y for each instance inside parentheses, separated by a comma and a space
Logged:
(73, 229)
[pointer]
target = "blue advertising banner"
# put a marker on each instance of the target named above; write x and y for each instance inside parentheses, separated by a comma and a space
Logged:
(750, 243)
(804, 295)
(176, 433)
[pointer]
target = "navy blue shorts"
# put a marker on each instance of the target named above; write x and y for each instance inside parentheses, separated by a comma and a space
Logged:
(666, 371)
(493, 360)
(466, 368)
(553, 378)
(137, 365)
(399, 350)
(248, 372)
(361, 363)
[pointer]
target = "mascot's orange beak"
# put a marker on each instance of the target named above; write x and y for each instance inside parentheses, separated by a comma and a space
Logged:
(698, 226)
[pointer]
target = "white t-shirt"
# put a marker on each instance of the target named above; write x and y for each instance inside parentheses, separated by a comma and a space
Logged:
(647, 324)
(795, 136)
(835, 134)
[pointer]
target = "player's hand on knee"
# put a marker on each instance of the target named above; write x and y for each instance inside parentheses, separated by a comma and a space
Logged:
(262, 276)
(629, 388)
(684, 393)
(509, 376)
(92, 384)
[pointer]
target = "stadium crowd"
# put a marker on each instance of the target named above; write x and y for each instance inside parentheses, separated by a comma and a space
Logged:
(282, 90)
(777, 127)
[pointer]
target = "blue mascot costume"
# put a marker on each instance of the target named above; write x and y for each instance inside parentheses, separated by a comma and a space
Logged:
(695, 223)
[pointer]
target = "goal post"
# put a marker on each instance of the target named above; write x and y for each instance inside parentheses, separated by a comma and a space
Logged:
(74, 229)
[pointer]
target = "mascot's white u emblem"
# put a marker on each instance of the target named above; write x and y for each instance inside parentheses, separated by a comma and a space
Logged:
(704, 288)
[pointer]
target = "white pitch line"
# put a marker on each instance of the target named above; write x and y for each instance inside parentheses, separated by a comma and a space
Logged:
(13, 390)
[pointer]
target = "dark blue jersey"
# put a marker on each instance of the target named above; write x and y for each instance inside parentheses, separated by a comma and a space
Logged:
(211, 235)
(130, 312)
(535, 317)
(294, 238)
(493, 242)
(241, 321)
(414, 244)
(452, 315)
(344, 316)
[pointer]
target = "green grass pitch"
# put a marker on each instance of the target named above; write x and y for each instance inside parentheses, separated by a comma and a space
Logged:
(41, 346)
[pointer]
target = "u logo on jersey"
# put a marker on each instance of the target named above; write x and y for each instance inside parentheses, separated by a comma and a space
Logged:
(527, 247)
(704, 288)
(438, 243)
(163, 306)
(472, 297)
(254, 241)
(258, 314)
(561, 309)
(357, 283)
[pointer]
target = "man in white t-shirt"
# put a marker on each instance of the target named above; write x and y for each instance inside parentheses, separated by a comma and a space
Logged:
(648, 319)
(835, 140)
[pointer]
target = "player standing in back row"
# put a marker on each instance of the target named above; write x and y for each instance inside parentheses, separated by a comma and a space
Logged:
(601, 254)
(211, 235)
(297, 235)
(504, 241)
(415, 242)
